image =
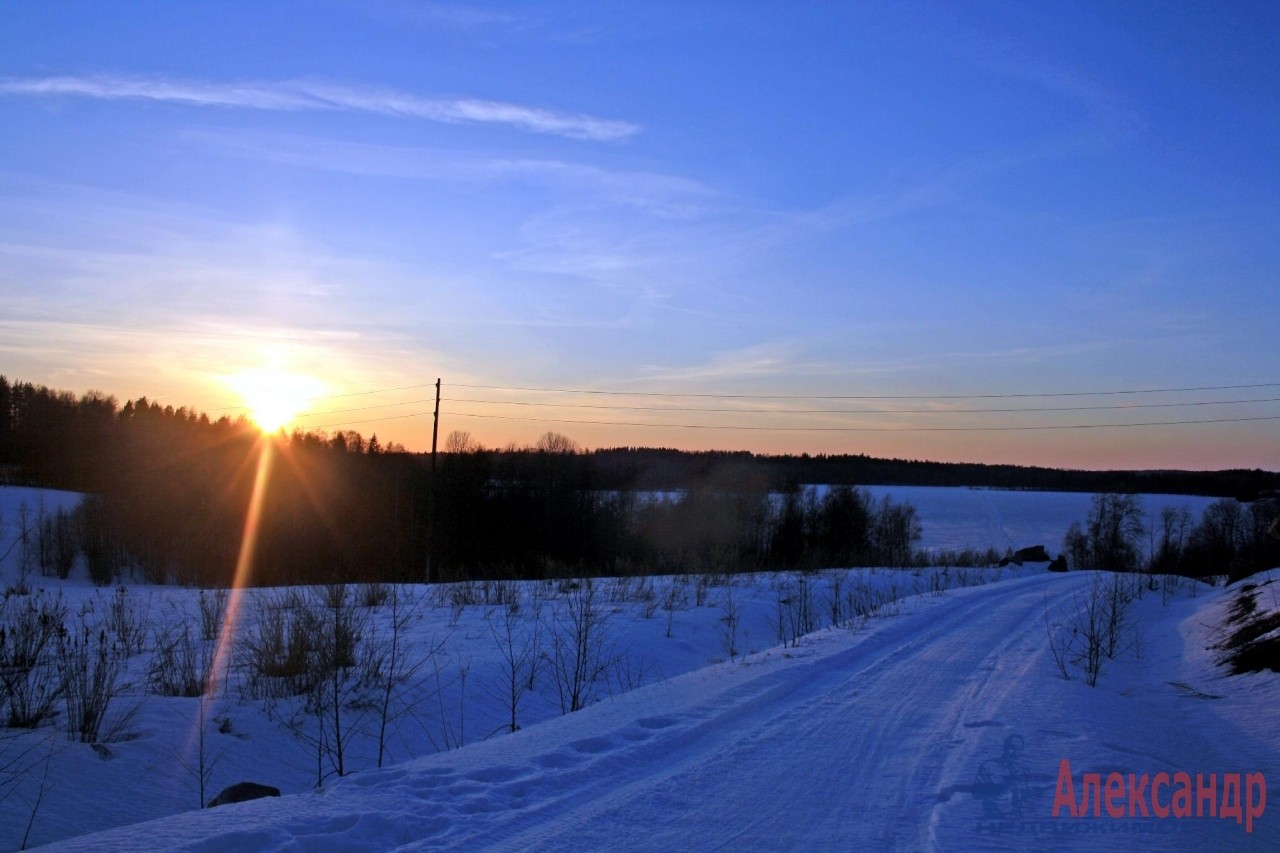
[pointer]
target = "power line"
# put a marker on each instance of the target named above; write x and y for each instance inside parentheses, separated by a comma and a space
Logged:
(867, 429)
(372, 420)
(358, 409)
(788, 411)
(798, 411)
(854, 411)
(242, 407)
(674, 395)
(871, 396)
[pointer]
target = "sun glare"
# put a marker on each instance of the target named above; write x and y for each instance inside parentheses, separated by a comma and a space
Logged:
(275, 397)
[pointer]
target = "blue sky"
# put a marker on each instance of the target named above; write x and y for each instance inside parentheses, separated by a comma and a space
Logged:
(909, 200)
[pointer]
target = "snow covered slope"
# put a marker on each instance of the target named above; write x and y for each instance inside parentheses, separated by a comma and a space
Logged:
(875, 739)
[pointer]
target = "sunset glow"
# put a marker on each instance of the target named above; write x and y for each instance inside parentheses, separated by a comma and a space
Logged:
(677, 212)
(275, 397)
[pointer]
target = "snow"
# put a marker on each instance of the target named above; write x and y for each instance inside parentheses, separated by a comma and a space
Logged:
(958, 518)
(870, 736)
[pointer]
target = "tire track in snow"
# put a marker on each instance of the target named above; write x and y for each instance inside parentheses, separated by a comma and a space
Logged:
(844, 748)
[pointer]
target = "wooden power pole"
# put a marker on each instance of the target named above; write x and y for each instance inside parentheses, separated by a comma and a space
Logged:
(431, 490)
(435, 427)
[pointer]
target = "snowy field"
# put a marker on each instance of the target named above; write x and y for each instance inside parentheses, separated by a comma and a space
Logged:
(712, 725)
(955, 519)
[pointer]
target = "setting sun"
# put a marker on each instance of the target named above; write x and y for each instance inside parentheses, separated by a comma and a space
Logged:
(275, 397)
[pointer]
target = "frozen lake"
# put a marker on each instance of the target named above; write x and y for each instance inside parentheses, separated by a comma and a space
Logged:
(957, 518)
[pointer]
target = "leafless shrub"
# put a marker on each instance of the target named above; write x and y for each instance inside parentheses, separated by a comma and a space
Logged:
(581, 655)
(650, 602)
(1094, 630)
(675, 599)
(502, 593)
(325, 641)
(30, 629)
(1120, 592)
(202, 763)
(701, 589)
(338, 630)
(1057, 643)
(452, 730)
(796, 613)
(126, 622)
(91, 679)
(213, 605)
(393, 662)
(629, 673)
(180, 665)
(374, 594)
(519, 642)
(835, 597)
(277, 650)
(730, 622)
(865, 601)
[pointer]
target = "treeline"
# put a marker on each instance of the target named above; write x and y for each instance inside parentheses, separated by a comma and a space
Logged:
(169, 492)
(663, 468)
(170, 489)
(1229, 538)
(543, 512)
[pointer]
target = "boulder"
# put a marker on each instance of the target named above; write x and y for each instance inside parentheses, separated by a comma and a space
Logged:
(1060, 564)
(242, 791)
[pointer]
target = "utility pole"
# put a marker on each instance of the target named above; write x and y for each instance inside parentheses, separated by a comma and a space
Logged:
(435, 427)
(431, 491)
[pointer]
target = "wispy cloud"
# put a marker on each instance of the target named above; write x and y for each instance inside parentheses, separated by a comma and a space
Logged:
(307, 95)
(762, 361)
(668, 195)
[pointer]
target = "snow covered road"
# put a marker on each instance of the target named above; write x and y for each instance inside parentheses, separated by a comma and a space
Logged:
(855, 740)
(845, 749)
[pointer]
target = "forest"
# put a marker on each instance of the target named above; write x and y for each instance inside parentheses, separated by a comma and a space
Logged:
(169, 491)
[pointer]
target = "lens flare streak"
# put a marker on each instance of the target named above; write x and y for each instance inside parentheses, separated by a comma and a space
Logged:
(244, 565)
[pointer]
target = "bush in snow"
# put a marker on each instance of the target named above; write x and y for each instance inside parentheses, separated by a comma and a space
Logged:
(30, 630)
(1096, 629)
(180, 665)
(92, 668)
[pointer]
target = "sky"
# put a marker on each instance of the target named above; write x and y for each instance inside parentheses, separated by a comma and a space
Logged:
(780, 227)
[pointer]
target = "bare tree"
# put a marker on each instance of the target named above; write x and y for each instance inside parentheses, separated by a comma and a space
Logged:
(1115, 530)
(340, 633)
(1173, 530)
(895, 530)
(394, 662)
(452, 733)
(201, 764)
(730, 622)
(581, 655)
(796, 611)
(460, 441)
(519, 640)
(1095, 630)
(554, 442)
